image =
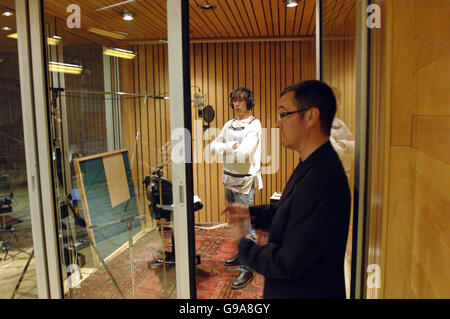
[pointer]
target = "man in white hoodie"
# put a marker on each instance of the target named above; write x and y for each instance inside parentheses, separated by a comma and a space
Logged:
(239, 143)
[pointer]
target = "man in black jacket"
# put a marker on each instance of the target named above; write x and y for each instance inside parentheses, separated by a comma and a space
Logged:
(304, 256)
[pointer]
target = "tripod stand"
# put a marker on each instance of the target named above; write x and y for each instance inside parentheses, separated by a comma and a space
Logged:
(23, 274)
(81, 221)
(130, 224)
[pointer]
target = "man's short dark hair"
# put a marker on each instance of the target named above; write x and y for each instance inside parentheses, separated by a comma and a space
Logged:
(315, 93)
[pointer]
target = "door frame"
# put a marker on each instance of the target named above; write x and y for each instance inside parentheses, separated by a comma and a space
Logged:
(360, 199)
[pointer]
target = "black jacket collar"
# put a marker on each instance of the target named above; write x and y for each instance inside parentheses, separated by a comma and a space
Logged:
(304, 166)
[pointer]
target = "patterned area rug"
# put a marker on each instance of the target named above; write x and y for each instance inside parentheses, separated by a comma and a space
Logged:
(213, 278)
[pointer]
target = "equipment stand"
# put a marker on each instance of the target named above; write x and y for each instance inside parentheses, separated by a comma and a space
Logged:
(69, 204)
(107, 270)
(130, 224)
(130, 246)
(23, 274)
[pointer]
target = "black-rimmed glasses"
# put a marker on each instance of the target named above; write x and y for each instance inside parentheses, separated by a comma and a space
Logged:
(284, 114)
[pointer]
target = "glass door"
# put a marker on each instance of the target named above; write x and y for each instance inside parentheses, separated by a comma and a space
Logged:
(17, 265)
(338, 69)
(121, 197)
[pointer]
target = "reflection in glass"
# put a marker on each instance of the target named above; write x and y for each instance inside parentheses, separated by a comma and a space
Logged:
(17, 265)
(339, 71)
(109, 133)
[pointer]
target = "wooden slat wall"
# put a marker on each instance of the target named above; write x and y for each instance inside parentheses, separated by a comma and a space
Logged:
(416, 218)
(266, 68)
(377, 150)
(216, 68)
(339, 71)
(146, 74)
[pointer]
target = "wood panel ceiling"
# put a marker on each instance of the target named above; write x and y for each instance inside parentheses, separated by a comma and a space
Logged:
(7, 43)
(339, 17)
(231, 19)
(251, 19)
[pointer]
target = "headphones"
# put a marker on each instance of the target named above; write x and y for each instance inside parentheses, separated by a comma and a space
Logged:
(250, 100)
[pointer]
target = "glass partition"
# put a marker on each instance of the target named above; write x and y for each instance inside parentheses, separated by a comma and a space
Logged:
(339, 71)
(17, 262)
(111, 145)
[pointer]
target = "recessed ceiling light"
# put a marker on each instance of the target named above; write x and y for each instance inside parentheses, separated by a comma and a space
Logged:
(207, 6)
(6, 29)
(291, 3)
(7, 13)
(128, 16)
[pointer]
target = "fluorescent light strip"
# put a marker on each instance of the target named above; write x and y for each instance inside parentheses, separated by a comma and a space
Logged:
(114, 5)
(107, 33)
(65, 67)
(55, 40)
(51, 41)
(120, 53)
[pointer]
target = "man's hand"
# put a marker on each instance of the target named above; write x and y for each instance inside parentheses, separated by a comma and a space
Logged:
(220, 139)
(236, 214)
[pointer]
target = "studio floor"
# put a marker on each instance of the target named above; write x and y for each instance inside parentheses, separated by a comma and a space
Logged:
(213, 278)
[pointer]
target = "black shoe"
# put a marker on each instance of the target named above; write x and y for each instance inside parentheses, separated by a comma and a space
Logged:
(244, 277)
(233, 261)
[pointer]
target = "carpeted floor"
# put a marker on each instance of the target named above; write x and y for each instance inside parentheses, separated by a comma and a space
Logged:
(213, 278)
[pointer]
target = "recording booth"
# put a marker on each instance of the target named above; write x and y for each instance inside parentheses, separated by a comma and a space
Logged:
(115, 121)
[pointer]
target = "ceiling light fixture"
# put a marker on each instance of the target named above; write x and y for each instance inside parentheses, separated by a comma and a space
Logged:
(126, 15)
(6, 29)
(64, 67)
(120, 32)
(107, 33)
(207, 6)
(7, 13)
(291, 3)
(120, 53)
(54, 40)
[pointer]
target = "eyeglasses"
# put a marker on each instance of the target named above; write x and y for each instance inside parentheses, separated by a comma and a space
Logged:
(284, 114)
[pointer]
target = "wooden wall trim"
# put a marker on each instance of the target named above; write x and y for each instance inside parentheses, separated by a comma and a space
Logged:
(237, 40)
(216, 68)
